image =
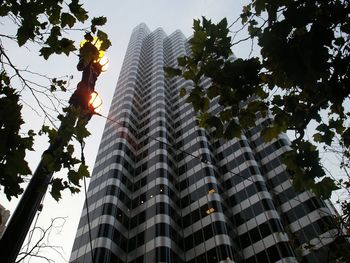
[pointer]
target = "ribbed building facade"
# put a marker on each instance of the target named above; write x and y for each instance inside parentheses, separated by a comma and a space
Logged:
(163, 190)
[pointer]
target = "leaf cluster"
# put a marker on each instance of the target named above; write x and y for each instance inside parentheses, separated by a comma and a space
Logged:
(61, 153)
(13, 146)
(305, 51)
(232, 80)
(45, 23)
(89, 51)
(304, 56)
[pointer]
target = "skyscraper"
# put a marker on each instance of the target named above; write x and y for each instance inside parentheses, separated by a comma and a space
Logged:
(163, 190)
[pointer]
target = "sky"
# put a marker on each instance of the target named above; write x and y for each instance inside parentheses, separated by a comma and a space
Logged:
(122, 17)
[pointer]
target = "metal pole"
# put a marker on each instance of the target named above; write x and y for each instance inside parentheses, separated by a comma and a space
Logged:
(21, 220)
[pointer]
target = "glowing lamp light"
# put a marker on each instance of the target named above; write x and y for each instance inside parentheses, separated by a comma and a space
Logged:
(95, 102)
(104, 62)
(102, 59)
(210, 210)
(211, 191)
(96, 42)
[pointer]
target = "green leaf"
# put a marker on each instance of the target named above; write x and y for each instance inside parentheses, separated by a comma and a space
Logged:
(52, 133)
(346, 137)
(16, 164)
(183, 92)
(259, 6)
(81, 131)
(46, 52)
(226, 115)
(106, 43)
(182, 61)
(54, 15)
(67, 46)
(189, 75)
(4, 10)
(79, 12)
(23, 34)
(247, 119)
(172, 72)
(88, 52)
(325, 187)
(203, 119)
(70, 149)
(233, 130)
(196, 99)
(49, 163)
(205, 104)
(83, 171)
(56, 188)
(99, 21)
(73, 177)
(271, 133)
(213, 91)
(216, 123)
(67, 20)
(317, 137)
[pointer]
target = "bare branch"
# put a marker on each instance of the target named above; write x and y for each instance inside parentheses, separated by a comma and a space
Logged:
(39, 245)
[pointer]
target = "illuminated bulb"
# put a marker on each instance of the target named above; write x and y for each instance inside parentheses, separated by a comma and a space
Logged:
(211, 191)
(210, 210)
(95, 102)
(103, 61)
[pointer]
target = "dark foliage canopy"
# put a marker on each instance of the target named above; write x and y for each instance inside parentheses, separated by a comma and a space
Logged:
(302, 77)
(46, 24)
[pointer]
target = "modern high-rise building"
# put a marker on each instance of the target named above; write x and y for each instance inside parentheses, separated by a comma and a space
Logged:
(163, 190)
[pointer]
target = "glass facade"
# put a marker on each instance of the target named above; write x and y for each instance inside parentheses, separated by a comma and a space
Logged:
(163, 190)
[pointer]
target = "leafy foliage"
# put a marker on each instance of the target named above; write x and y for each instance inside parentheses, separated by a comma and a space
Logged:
(45, 24)
(302, 78)
(304, 56)
(13, 146)
(60, 153)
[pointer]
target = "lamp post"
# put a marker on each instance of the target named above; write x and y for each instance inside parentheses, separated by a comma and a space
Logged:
(21, 220)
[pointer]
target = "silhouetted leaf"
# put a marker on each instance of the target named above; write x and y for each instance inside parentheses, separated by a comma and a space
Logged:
(67, 20)
(172, 72)
(325, 187)
(56, 188)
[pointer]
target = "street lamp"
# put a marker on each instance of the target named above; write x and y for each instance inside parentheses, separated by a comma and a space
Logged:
(95, 102)
(83, 99)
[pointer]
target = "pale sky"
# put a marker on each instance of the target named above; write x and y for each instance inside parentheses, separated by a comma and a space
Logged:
(122, 16)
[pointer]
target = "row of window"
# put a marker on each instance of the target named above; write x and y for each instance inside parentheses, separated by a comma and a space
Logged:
(246, 192)
(159, 254)
(163, 254)
(272, 254)
(303, 209)
(313, 230)
(252, 211)
(157, 230)
(216, 254)
(236, 178)
(158, 208)
(259, 232)
(205, 233)
(237, 161)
